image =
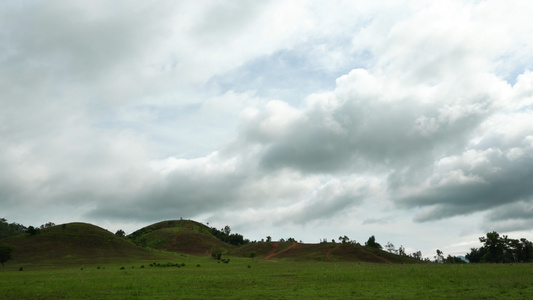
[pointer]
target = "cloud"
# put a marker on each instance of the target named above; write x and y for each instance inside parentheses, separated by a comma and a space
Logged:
(512, 217)
(495, 171)
(287, 114)
(344, 130)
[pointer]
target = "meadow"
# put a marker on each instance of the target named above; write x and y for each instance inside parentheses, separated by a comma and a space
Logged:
(199, 277)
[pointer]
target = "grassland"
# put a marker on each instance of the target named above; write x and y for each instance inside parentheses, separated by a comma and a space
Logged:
(201, 277)
(83, 261)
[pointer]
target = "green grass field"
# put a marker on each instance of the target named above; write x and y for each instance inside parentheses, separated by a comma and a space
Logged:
(243, 278)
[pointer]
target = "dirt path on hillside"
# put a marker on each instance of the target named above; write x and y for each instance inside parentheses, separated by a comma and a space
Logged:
(329, 251)
(273, 251)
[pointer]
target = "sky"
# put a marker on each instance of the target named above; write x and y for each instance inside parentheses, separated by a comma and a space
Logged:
(408, 120)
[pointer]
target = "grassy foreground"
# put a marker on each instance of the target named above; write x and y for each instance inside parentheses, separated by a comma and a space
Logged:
(242, 278)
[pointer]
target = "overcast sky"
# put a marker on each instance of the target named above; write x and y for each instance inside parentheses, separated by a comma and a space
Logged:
(408, 120)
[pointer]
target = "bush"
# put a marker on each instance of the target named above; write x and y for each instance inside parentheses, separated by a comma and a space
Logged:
(5, 253)
(216, 253)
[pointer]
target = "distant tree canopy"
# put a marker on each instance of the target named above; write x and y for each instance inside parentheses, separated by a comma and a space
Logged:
(48, 225)
(7, 229)
(226, 236)
(344, 239)
(453, 260)
(417, 255)
(501, 249)
(33, 231)
(372, 243)
(5, 253)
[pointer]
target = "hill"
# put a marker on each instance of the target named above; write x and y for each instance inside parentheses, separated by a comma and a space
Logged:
(275, 251)
(182, 236)
(75, 243)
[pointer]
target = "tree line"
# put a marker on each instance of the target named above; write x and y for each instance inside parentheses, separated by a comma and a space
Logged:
(226, 236)
(501, 249)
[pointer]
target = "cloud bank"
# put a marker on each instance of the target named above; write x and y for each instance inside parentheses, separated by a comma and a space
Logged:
(285, 114)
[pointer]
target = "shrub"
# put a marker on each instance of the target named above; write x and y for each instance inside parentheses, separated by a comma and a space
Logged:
(216, 253)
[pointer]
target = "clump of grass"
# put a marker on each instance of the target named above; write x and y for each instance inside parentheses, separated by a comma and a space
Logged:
(177, 265)
(122, 268)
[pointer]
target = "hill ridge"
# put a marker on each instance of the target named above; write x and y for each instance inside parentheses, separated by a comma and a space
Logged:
(84, 242)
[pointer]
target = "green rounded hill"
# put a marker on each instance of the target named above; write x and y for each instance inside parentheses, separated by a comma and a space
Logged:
(181, 236)
(75, 243)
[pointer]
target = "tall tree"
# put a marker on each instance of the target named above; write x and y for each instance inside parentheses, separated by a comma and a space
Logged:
(417, 255)
(372, 243)
(390, 247)
(495, 246)
(401, 251)
(440, 256)
(227, 230)
(5, 253)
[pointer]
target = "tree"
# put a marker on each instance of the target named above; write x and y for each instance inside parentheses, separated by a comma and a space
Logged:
(475, 255)
(401, 251)
(12, 229)
(344, 239)
(390, 247)
(120, 233)
(453, 260)
(269, 239)
(48, 225)
(417, 255)
(216, 253)
(372, 243)
(495, 247)
(501, 249)
(226, 236)
(33, 231)
(5, 253)
(440, 256)
(227, 230)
